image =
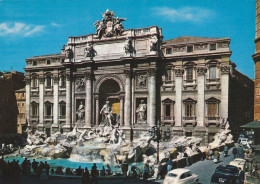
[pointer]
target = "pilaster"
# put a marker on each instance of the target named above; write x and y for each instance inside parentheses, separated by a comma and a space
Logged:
(178, 102)
(152, 97)
(41, 101)
(88, 100)
(55, 125)
(28, 99)
(68, 101)
(225, 70)
(127, 109)
(200, 109)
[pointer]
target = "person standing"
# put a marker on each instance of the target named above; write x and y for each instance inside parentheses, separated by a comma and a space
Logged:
(240, 152)
(85, 177)
(241, 176)
(124, 168)
(146, 171)
(94, 173)
(169, 164)
(234, 151)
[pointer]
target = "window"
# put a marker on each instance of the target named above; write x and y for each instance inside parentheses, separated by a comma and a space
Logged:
(212, 47)
(189, 107)
(48, 109)
(189, 48)
(188, 134)
(62, 81)
(62, 108)
(213, 106)
(189, 74)
(169, 51)
(48, 62)
(48, 81)
(18, 104)
(167, 110)
(34, 63)
(168, 76)
(212, 109)
(22, 104)
(212, 72)
(34, 106)
(34, 82)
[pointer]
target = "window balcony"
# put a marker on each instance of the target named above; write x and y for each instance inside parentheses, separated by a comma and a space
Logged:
(34, 88)
(189, 120)
(189, 83)
(35, 116)
(62, 117)
(212, 121)
(167, 120)
(213, 82)
(49, 88)
(168, 84)
(48, 117)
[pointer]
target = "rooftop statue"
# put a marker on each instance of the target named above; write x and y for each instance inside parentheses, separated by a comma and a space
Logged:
(109, 26)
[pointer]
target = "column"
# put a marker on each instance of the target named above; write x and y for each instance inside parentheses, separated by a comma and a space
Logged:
(200, 109)
(224, 90)
(88, 101)
(121, 110)
(55, 102)
(178, 102)
(28, 100)
(68, 101)
(127, 112)
(152, 97)
(97, 110)
(41, 101)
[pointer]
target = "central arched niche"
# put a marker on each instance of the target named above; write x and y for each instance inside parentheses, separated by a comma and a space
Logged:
(109, 90)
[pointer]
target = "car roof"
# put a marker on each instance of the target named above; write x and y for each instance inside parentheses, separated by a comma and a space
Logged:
(179, 171)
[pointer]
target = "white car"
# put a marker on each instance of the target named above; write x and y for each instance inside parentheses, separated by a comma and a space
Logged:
(238, 162)
(180, 176)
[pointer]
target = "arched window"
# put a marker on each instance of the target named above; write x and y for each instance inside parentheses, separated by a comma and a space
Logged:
(62, 80)
(34, 81)
(34, 109)
(62, 109)
(48, 80)
(48, 108)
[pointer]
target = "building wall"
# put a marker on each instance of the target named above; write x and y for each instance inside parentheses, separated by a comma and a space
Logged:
(196, 100)
(21, 104)
(9, 82)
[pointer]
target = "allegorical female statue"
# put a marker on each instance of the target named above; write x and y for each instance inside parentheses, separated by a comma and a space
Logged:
(141, 112)
(81, 112)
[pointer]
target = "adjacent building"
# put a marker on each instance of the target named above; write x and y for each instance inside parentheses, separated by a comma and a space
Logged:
(21, 104)
(134, 79)
(9, 82)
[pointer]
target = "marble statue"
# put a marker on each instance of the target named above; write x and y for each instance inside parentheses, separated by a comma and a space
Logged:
(109, 26)
(68, 52)
(89, 51)
(153, 43)
(141, 112)
(81, 112)
(107, 114)
(80, 84)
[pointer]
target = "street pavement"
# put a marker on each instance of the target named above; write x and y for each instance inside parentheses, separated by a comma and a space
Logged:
(204, 169)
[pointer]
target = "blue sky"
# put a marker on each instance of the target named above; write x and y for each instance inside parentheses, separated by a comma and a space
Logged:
(38, 27)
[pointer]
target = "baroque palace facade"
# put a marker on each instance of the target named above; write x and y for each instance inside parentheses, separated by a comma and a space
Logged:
(134, 79)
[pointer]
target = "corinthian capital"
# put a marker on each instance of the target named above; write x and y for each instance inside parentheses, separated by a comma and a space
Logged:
(179, 72)
(225, 69)
(201, 70)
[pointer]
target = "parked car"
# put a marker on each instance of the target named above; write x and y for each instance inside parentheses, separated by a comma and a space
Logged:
(238, 162)
(225, 174)
(180, 176)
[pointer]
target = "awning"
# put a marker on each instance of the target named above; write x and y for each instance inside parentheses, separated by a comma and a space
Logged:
(253, 125)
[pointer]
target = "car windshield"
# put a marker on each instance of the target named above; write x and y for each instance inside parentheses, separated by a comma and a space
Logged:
(172, 175)
(225, 172)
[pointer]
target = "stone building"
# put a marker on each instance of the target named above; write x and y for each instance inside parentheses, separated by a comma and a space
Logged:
(134, 79)
(9, 82)
(256, 58)
(21, 117)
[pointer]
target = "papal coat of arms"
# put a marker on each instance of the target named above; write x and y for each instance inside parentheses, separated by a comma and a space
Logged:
(109, 26)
